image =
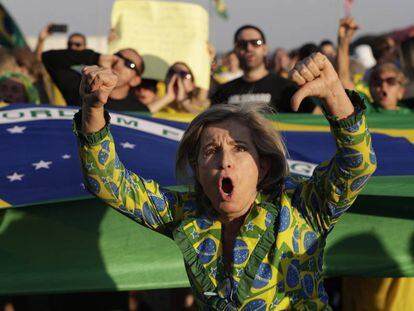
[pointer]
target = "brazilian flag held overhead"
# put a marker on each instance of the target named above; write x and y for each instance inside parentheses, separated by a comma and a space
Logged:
(10, 34)
(221, 8)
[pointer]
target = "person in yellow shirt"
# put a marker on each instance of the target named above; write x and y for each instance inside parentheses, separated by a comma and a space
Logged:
(252, 236)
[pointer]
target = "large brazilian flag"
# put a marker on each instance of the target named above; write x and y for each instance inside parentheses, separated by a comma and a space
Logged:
(55, 237)
(10, 34)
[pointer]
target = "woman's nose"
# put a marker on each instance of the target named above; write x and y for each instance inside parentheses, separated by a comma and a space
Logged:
(226, 160)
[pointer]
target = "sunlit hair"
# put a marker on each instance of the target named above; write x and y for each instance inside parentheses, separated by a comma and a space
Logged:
(266, 138)
(7, 61)
(387, 67)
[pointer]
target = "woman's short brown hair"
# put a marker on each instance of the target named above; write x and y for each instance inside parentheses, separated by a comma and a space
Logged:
(387, 67)
(266, 138)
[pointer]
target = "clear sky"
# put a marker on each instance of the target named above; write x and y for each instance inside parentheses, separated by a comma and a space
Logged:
(286, 23)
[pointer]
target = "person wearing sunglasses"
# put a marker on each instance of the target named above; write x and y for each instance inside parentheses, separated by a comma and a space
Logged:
(64, 67)
(77, 42)
(182, 94)
(386, 84)
(257, 85)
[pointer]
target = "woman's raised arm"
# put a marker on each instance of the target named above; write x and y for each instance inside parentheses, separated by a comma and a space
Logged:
(105, 176)
(336, 183)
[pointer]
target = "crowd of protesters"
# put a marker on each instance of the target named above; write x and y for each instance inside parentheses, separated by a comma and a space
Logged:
(381, 69)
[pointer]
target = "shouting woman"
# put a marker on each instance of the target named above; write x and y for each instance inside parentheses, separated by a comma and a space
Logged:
(252, 236)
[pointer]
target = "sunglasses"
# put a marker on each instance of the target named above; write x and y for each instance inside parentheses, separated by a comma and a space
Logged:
(129, 63)
(391, 81)
(75, 44)
(243, 44)
(181, 73)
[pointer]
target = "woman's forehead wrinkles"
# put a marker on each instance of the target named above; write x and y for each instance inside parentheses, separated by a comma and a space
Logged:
(230, 131)
(219, 137)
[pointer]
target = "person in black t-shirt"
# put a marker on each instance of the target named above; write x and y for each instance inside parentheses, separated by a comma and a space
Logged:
(257, 85)
(64, 66)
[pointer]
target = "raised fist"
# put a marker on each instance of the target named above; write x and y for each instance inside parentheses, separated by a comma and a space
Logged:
(347, 28)
(316, 77)
(96, 85)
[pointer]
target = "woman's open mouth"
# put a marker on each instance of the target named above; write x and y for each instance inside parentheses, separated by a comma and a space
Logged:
(226, 187)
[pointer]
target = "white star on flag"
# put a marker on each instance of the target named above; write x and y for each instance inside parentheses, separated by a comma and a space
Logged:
(127, 145)
(42, 164)
(194, 234)
(89, 166)
(66, 156)
(249, 226)
(239, 272)
(213, 271)
(16, 129)
(15, 176)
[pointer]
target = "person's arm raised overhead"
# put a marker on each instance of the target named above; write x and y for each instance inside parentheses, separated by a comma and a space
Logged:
(336, 183)
(96, 86)
(43, 35)
(316, 77)
(347, 28)
(105, 176)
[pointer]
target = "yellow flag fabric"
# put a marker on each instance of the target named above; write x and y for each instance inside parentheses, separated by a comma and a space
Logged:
(164, 33)
(391, 294)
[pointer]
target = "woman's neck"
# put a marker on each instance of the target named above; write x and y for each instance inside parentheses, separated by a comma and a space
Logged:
(233, 226)
(228, 238)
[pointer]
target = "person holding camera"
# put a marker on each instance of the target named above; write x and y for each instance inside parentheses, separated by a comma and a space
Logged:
(76, 40)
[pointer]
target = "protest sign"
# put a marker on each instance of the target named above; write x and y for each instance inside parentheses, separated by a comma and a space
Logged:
(164, 33)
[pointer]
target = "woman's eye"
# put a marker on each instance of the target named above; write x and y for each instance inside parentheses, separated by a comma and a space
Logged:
(240, 148)
(210, 151)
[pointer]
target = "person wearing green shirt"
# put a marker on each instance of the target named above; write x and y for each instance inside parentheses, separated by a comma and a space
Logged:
(386, 84)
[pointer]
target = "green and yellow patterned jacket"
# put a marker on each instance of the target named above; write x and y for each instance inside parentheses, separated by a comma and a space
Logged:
(278, 252)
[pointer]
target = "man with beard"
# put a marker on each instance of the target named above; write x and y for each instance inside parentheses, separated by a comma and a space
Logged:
(257, 85)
